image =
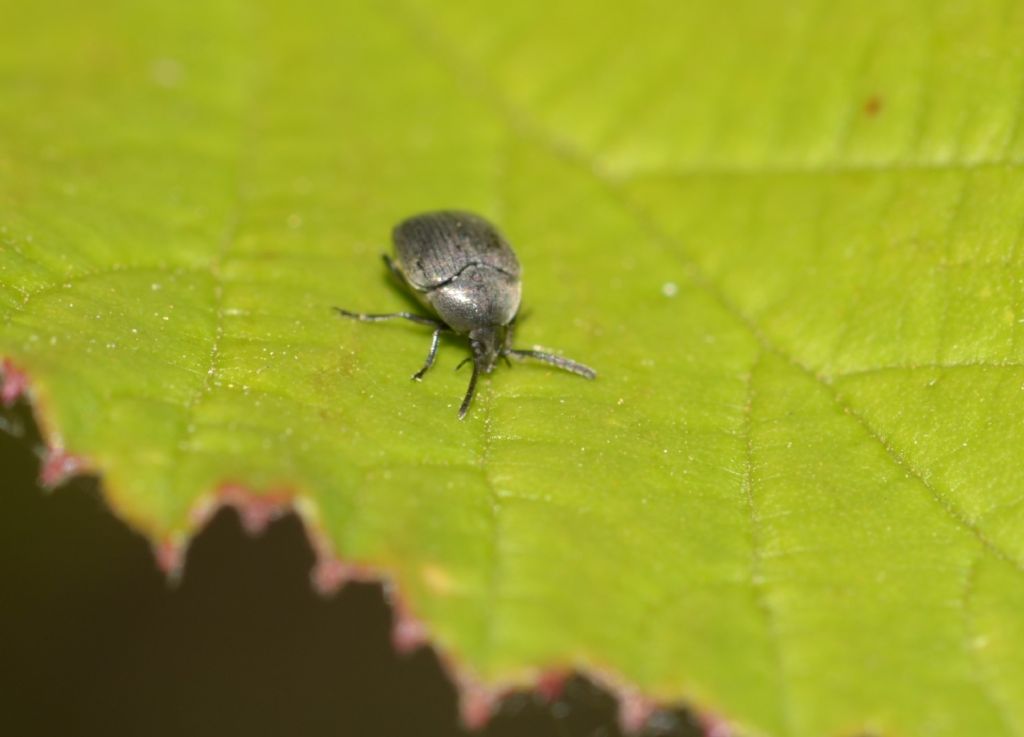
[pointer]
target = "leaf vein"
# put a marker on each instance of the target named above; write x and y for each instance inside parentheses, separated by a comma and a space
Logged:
(757, 575)
(67, 282)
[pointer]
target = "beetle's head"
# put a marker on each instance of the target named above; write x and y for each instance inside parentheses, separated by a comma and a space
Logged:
(488, 344)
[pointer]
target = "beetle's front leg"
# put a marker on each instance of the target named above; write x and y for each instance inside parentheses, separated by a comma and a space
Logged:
(434, 342)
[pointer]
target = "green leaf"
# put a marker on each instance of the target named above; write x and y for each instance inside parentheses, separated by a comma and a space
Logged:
(787, 236)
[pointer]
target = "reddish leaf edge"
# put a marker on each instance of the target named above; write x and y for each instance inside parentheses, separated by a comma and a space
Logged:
(479, 699)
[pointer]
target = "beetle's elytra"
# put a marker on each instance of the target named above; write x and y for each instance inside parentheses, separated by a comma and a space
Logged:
(459, 266)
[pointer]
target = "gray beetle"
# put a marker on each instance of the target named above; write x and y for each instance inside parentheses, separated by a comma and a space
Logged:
(460, 266)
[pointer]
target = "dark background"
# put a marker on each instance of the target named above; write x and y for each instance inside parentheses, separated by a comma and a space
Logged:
(95, 641)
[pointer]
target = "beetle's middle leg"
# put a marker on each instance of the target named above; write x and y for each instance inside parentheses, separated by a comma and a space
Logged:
(434, 342)
(412, 317)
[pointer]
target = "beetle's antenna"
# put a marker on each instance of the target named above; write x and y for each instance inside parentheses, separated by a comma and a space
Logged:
(565, 364)
(469, 392)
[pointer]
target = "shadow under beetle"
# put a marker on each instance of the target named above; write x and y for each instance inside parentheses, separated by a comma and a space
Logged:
(460, 266)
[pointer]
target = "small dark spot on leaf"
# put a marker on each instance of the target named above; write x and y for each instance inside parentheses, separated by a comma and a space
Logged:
(872, 106)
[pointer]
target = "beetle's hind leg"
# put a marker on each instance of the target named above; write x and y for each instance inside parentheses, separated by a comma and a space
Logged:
(393, 269)
(566, 364)
(434, 342)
